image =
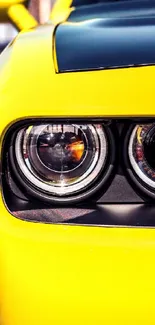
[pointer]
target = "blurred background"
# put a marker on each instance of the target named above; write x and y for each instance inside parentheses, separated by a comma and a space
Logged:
(12, 11)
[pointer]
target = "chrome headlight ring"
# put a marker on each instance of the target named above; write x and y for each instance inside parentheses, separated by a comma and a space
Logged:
(62, 163)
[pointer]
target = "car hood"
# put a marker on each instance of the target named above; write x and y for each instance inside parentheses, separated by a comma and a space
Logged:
(30, 86)
(107, 35)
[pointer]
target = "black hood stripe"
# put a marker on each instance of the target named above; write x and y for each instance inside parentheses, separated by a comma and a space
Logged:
(122, 40)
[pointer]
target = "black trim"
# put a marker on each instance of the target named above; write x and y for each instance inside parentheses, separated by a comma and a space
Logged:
(111, 215)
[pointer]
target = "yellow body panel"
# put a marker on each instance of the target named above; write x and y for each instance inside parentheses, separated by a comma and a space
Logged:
(61, 274)
(55, 274)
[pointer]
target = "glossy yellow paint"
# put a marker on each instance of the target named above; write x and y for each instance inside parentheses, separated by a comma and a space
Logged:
(56, 274)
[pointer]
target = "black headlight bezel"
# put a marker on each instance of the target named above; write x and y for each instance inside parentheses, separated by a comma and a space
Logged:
(92, 191)
(121, 201)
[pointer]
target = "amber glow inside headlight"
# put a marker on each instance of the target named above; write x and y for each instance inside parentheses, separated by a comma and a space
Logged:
(61, 161)
(141, 153)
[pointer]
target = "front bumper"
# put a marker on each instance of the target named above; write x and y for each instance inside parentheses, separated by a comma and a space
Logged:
(63, 274)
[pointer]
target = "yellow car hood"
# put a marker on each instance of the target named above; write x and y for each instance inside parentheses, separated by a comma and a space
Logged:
(30, 86)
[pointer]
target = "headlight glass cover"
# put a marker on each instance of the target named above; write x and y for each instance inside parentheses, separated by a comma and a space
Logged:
(61, 159)
(141, 153)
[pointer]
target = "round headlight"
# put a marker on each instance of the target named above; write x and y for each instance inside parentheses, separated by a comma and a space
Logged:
(141, 152)
(61, 160)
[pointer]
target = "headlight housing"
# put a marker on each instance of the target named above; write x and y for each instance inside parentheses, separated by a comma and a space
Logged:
(98, 163)
(61, 162)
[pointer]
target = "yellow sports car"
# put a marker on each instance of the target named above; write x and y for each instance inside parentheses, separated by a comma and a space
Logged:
(77, 205)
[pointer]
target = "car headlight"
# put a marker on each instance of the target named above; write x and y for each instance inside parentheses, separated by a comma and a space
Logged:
(61, 162)
(141, 152)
